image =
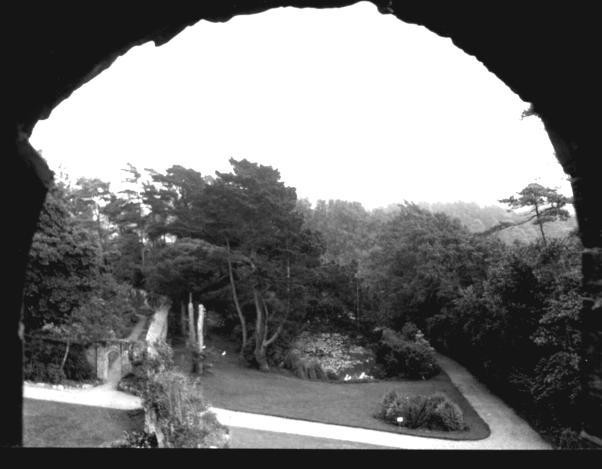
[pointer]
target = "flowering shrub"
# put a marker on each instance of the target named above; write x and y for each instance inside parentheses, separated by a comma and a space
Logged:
(330, 356)
(434, 412)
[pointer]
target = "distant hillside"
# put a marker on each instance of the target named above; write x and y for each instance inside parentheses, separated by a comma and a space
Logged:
(477, 219)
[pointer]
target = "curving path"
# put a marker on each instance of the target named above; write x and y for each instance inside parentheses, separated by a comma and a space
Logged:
(508, 430)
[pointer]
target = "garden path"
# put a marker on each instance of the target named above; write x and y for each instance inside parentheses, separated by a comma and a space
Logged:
(508, 431)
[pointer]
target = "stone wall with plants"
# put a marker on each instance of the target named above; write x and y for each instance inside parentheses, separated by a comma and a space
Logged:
(176, 415)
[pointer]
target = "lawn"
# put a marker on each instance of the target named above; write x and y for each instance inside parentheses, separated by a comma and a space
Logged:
(56, 424)
(231, 386)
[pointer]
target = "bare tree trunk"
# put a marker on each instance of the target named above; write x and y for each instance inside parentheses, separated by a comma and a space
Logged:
(191, 338)
(269, 341)
(198, 353)
(199, 327)
(357, 301)
(260, 326)
(241, 318)
(65, 355)
(545, 241)
(183, 319)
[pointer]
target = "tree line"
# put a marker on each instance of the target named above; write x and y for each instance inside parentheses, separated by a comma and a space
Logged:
(242, 243)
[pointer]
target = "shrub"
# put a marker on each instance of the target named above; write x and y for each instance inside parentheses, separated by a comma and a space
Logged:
(307, 368)
(409, 331)
(173, 403)
(135, 440)
(434, 412)
(400, 357)
(77, 367)
(42, 362)
(180, 413)
(556, 385)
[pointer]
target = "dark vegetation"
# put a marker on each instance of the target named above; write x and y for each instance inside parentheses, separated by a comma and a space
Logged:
(270, 266)
(433, 412)
(173, 402)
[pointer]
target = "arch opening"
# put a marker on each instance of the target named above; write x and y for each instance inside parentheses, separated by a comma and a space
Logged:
(570, 141)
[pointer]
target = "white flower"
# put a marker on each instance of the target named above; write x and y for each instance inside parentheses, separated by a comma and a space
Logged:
(223, 353)
(399, 419)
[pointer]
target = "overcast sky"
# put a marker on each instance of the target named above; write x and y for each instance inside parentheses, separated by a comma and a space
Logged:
(347, 103)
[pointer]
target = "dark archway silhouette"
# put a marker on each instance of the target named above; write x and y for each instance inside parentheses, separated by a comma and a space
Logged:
(547, 55)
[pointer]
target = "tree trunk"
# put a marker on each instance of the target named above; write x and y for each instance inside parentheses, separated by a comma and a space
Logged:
(65, 355)
(241, 318)
(191, 337)
(539, 222)
(260, 330)
(183, 319)
(357, 302)
(199, 327)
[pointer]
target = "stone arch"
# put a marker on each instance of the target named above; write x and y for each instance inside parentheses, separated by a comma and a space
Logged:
(547, 56)
(113, 355)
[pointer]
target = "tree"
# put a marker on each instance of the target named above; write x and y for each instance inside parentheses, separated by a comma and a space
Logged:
(173, 199)
(545, 205)
(253, 215)
(126, 211)
(63, 263)
(421, 262)
(86, 201)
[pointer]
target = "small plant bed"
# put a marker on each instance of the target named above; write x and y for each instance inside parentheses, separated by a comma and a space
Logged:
(330, 356)
(433, 412)
(280, 393)
(57, 424)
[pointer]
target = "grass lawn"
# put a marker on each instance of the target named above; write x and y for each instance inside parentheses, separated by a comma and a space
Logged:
(280, 393)
(57, 424)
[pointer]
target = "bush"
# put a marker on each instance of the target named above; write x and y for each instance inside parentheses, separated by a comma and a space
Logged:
(42, 362)
(307, 368)
(135, 440)
(173, 402)
(77, 367)
(181, 415)
(434, 412)
(409, 331)
(400, 357)
(556, 385)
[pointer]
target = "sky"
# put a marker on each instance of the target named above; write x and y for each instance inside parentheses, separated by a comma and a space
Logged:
(346, 103)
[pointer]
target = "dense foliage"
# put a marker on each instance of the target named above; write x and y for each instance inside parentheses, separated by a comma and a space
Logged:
(434, 412)
(488, 287)
(173, 403)
(406, 356)
(71, 296)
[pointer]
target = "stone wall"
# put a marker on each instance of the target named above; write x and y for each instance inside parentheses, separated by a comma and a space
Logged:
(99, 357)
